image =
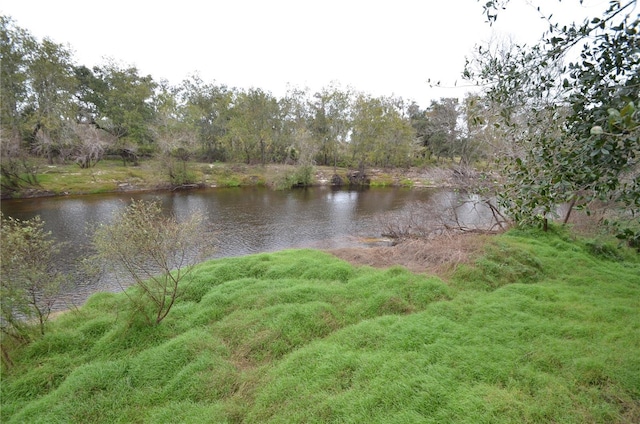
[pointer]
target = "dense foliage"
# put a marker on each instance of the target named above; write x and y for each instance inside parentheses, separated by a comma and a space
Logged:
(569, 108)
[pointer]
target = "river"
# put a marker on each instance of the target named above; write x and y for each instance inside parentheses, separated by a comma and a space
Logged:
(244, 220)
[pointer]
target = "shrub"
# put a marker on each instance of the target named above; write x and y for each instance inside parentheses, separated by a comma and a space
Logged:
(155, 251)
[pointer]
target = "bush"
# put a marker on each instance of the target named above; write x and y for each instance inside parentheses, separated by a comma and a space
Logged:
(155, 251)
(30, 281)
(301, 177)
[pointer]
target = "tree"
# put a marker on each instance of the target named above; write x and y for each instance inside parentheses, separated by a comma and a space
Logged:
(253, 125)
(30, 281)
(397, 145)
(441, 132)
(52, 110)
(154, 250)
(36, 104)
(581, 137)
(17, 170)
(382, 135)
(117, 99)
(175, 135)
(476, 135)
(15, 47)
(208, 107)
(37, 85)
(88, 145)
(331, 122)
(419, 123)
(297, 139)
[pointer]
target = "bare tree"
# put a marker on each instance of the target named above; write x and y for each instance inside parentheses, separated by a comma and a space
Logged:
(90, 146)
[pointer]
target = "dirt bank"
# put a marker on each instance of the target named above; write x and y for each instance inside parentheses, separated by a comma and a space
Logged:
(439, 255)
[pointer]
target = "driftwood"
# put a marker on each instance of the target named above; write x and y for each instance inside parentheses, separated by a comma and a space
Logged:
(187, 186)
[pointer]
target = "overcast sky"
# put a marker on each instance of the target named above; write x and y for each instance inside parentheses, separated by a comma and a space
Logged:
(380, 47)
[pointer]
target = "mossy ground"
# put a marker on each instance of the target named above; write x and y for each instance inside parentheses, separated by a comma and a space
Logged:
(538, 328)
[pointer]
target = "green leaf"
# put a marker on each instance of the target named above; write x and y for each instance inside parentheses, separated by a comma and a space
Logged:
(628, 110)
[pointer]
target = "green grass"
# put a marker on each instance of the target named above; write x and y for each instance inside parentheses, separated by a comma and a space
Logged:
(110, 175)
(540, 328)
(106, 176)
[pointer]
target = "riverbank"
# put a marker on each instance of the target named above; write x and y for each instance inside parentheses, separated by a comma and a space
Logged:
(110, 176)
(531, 327)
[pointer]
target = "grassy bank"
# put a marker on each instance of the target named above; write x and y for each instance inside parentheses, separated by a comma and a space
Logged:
(151, 174)
(540, 328)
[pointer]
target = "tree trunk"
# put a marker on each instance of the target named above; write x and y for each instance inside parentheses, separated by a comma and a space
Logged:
(571, 205)
(262, 152)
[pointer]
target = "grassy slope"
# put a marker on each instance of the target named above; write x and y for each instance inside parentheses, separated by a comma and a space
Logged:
(537, 330)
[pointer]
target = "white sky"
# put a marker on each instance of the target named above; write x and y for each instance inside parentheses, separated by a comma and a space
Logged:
(380, 47)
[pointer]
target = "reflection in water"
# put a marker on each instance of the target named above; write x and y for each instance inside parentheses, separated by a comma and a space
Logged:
(245, 220)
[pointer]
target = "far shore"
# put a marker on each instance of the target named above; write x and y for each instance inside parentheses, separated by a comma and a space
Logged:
(114, 177)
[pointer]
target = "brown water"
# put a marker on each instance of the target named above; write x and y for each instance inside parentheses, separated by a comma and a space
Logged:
(245, 220)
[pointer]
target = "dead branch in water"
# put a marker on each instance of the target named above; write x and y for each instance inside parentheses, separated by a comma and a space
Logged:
(451, 214)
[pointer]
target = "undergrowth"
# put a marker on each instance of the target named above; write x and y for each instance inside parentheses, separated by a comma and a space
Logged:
(540, 328)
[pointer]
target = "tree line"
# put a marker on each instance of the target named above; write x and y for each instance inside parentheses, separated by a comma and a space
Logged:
(54, 108)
